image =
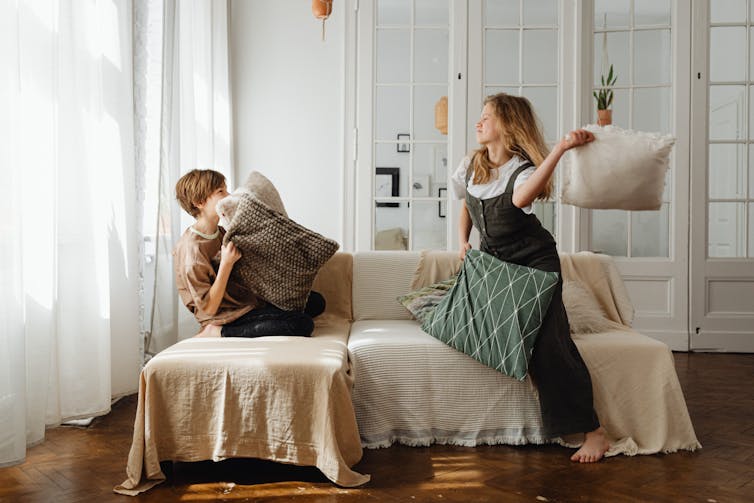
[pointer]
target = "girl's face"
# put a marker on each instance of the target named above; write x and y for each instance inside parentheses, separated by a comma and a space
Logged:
(488, 127)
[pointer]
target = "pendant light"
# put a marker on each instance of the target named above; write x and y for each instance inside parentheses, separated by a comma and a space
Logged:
(441, 115)
(322, 10)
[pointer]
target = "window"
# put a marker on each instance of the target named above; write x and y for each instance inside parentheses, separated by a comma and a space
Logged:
(410, 167)
(634, 36)
(730, 169)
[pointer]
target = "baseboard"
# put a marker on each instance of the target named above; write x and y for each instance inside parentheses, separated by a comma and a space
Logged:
(723, 342)
(676, 340)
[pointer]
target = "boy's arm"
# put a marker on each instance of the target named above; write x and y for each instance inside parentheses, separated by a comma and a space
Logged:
(229, 255)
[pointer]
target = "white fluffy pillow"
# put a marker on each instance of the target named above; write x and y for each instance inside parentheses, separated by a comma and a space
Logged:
(620, 169)
(585, 316)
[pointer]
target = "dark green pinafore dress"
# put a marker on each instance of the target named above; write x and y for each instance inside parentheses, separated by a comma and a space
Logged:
(562, 379)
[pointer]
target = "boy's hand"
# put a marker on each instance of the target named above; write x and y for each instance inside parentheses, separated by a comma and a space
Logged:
(229, 254)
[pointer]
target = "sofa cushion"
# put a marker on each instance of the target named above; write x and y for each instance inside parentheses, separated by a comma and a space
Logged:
(422, 302)
(378, 278)
(333, 281)
(494, 311)
(279, 257)
(412, 389)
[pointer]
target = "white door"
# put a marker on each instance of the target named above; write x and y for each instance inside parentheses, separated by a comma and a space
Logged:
(722, 184)
(408, 82)
(552, 53)
(647, 45)
(515, 48)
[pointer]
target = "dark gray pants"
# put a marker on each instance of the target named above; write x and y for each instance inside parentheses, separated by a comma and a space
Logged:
(271, 320)
(556, 366)
(561, 376)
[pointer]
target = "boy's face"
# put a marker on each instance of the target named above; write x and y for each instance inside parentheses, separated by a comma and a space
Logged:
(208, 207)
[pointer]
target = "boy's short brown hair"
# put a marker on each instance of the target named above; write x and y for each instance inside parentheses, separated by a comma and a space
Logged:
(195, 187)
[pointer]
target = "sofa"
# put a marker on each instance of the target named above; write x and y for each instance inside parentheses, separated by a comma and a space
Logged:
(369, 378)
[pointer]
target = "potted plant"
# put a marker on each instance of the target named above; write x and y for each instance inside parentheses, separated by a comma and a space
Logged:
(604, 98)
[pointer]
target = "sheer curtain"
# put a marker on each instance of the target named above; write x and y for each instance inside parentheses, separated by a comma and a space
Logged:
(68, 265)
(194, 125)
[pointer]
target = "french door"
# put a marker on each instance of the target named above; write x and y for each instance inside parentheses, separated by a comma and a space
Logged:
(647, 43)
(689, 267)
(408, 84)
(722, 184)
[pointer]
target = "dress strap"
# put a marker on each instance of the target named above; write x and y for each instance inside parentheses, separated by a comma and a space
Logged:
(470, 170)
(514, 175)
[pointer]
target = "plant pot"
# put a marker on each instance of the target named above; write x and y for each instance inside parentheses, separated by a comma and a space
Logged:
(604, 117)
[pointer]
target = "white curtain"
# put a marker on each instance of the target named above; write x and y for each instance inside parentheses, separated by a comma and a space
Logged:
(69, 332)
(191, 105)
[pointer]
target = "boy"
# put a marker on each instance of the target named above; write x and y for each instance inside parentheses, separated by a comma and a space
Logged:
(223, 307)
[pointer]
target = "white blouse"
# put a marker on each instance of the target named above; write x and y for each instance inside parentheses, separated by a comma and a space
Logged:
(495, 186)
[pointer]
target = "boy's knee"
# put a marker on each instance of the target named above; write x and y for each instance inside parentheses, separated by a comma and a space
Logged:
(315, 305)
(304, 326)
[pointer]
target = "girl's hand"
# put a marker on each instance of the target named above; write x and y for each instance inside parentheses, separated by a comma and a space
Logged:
(464, 248)
(229, 254)
(576, 138)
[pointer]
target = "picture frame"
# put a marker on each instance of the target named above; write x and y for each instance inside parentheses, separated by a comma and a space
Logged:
(403, 142)
(387, 184)
(442, 206)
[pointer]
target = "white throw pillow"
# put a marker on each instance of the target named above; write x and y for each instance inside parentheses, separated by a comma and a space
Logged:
(620, 169)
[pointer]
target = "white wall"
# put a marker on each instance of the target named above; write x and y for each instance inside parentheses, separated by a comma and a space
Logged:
(287, 88)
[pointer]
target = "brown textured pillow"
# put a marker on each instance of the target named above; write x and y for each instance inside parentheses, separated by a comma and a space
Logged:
(280, 258)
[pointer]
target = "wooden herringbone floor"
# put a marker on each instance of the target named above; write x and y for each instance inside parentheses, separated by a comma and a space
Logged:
(83, 464)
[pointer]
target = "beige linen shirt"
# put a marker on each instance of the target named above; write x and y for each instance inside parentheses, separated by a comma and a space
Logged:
(196, 261)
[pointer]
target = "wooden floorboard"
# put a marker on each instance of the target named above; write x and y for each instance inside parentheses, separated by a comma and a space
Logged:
(81, 465)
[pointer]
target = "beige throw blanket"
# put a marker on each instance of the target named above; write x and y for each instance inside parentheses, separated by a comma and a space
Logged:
(285, 399)
(637, 395)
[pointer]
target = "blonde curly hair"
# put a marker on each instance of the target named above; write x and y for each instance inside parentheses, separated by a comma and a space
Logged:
(521, 133)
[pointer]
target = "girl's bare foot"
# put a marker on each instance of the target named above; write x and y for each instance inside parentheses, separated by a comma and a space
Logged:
(210, 331)
(594, 447)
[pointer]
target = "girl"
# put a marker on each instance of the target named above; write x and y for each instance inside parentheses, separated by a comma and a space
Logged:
(499, 183)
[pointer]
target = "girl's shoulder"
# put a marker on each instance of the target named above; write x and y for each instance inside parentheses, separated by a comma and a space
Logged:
(462, 168)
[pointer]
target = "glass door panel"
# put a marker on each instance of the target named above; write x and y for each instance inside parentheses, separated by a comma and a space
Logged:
(520, 50)
(635, 38)
(410, 118)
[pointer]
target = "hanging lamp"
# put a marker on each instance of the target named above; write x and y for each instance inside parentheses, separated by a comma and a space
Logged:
(322, 10)
(441, 115)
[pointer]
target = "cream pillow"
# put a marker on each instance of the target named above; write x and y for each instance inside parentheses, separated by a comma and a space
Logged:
(585, 316)
(257, 186)
(620, 169)
(389, 239)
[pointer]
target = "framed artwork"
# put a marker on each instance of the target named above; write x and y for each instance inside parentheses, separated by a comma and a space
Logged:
(386, 184)
(403, 144)
(442, 210)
